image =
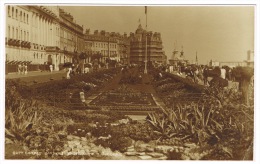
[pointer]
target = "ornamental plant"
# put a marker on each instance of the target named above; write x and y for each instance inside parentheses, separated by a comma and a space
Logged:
(21, 115)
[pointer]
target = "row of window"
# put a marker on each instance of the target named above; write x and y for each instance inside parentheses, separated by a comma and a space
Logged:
(100, 45)
(67, 43)
(68, 35)
(13, 13)
(104, 52)
(37, 56)
(36, 20)
(40, 56)
(57, 31)
(15, 33)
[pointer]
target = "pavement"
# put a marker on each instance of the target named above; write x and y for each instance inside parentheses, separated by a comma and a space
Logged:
(37, 76)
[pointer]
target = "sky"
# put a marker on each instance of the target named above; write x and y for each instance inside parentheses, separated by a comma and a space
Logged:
(218, 33)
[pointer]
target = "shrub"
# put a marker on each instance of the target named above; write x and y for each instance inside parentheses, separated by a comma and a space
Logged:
(136, 131)
(119, 143)
(15, 88)
(163, 81)
(218, 120)
(119, 140)
(242, 73)
(26, 124)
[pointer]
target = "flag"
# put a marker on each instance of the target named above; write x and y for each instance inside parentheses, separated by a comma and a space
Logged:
(145, 9)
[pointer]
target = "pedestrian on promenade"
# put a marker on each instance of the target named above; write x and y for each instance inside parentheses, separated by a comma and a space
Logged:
(44, 66)
(69, 70)
(51, 67)
(160, 75)
(19, 69)
(171, 69)
(223, 73)
(70, 97)
(86, 70)
(82, 97)
(25, 69)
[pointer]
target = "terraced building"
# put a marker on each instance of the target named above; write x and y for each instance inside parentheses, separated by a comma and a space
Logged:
(108, 45)
(39, 36)
(155, 53)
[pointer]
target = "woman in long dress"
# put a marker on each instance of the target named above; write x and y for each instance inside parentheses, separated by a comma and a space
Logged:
(51, 67)
(68, 72)
(25, 69)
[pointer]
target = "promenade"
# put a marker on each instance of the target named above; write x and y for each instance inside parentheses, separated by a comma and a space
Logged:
(37, 76)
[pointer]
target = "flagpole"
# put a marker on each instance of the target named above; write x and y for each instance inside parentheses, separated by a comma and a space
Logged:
(145, 62)
(196, 58)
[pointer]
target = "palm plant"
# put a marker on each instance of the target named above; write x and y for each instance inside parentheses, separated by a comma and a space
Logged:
(20, 116)
(20, 120)
(161, 126)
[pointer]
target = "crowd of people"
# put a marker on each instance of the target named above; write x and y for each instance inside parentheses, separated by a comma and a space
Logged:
(74, 69)
(204, 74)
(22, 69)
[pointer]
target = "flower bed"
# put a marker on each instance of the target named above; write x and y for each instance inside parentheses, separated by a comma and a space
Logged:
(218, 127)
(125, 99)
(94, 79)
(173, 89)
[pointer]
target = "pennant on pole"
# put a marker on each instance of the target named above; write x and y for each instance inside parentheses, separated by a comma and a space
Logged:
(145, 9)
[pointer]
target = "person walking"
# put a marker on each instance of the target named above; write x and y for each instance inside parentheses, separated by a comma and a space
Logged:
(86, 70)
(82, 97)
(171, 69)
(45, 67)
(223, 73)
(51, 68)
(25, 69)
(19, 69)
(69, 72)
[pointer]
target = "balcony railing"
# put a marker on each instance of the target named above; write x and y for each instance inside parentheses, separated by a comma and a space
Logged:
(52, 49)
(25, 44)
(14, 42)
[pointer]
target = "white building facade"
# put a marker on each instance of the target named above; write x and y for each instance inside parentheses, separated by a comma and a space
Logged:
(34, 37)
(44, 34)
(18, 39)
(30, 30)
